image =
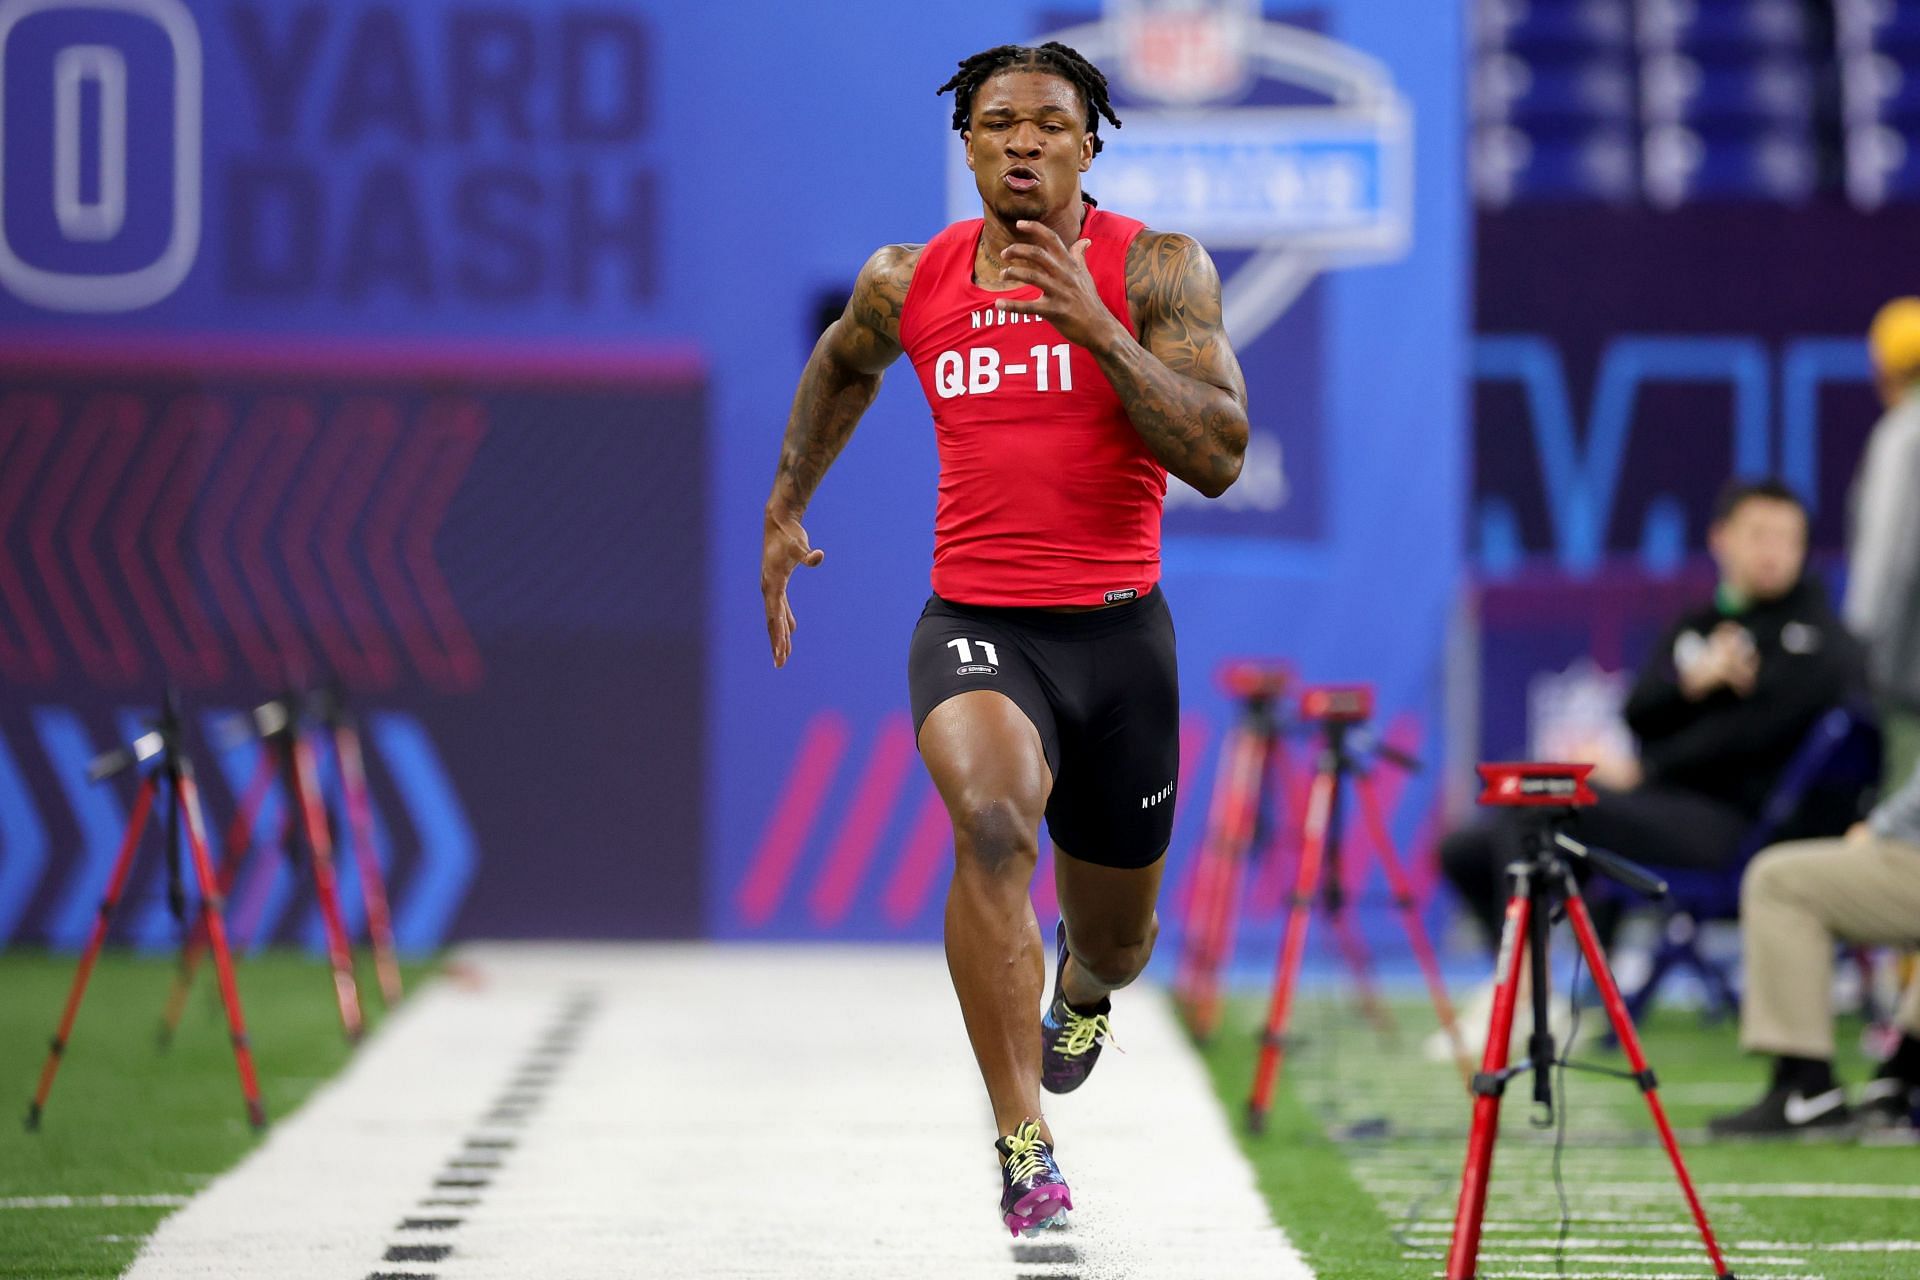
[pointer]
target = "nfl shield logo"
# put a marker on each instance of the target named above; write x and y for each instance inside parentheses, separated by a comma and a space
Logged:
(1184, 51)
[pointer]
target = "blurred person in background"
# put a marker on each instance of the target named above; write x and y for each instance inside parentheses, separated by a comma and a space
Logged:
(1718, 709)
(1883, 563)
(1797, 901)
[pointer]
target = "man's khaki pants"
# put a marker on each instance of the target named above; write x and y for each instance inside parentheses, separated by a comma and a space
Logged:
(1796, 901)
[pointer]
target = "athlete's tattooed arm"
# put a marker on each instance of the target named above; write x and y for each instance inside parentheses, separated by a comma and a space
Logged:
(1181, 384)
(840, 381)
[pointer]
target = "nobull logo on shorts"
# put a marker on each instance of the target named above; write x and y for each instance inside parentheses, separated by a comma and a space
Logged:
(100, 146)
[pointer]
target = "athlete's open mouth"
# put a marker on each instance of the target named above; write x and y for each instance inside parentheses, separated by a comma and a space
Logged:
(1021, 178)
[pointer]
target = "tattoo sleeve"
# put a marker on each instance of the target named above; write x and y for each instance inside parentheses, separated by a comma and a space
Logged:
(1180, 384)
(842, 377)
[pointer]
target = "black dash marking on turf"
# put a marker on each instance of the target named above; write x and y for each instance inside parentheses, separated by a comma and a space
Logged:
(514, 1101)
(464, 1172)
(1037, 1252)
(418, 1252)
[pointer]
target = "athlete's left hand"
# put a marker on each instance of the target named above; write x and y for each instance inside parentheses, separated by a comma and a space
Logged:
(1068, 298)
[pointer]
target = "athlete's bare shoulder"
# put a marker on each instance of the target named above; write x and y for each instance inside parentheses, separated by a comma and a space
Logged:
(1160, 267)
(880, 293)
(1173, 291)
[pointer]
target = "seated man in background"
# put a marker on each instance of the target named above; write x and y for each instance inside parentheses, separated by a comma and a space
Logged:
(1719, 708)
(1796, 901)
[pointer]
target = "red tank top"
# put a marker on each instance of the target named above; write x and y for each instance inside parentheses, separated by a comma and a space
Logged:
(1048, 496)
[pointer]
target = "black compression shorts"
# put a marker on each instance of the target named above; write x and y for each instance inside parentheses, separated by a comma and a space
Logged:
(1102, 689)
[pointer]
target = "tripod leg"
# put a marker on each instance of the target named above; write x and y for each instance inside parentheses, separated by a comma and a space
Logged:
(1488, 1086)
(211, 905)
(1409, 909)
(239, 848)
(373, 886)
(116, 885)
(1299, 915)
(1209, 873)
(1268, 888)
(245, 915)
(1353, 948)
(1224, 930)
(1643, 1075)
(1236, 848)
(326, 889)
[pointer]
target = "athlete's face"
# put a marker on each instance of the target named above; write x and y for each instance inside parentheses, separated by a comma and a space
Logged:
(1028, 144)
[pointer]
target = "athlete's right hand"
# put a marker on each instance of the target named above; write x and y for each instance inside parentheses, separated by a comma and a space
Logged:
(784, 549)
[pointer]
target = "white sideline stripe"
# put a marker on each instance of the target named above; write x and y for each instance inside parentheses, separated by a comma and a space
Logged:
(92, 1202)
(1615, 1275)
(1583, 1221)
(1661, 1191)
(1752, 1248)
(1707, 1093)
(1814, 1190)
(1629, 1259)
(799, 1113)
(1626, 1244)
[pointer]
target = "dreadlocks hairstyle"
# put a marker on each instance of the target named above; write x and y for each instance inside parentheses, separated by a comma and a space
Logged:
(1051, 57)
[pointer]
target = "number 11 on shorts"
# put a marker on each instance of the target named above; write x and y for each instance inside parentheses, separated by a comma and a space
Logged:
(965, 649)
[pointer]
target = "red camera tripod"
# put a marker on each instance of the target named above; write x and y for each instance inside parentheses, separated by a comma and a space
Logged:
(1348, 753)
(1543, 881)
(1252, 764)
(171, 777)
(287, 753)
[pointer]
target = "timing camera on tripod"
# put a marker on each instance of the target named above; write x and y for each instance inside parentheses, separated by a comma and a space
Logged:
(1349, 755)
(1544, 887)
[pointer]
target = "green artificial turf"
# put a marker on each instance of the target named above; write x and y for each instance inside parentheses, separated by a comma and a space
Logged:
(1360, 1158)
(1366, 1141)
(126, 1119)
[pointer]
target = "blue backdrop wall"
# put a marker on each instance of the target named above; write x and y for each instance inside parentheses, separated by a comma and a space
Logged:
(823, 822)
(584, 250)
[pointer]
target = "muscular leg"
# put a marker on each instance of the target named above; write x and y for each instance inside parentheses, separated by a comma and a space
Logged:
(987, 762)
(1111, 924)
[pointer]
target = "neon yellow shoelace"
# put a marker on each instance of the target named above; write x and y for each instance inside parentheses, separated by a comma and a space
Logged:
(1026, 1153)
(1082, 1032)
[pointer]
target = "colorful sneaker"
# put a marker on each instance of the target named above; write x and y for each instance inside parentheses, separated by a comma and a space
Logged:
(1070, 1041)
(1786, 1113)
(1035, 1195)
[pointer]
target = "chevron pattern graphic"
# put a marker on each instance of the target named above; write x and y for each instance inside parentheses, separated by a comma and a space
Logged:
(206, 534)
(449, 535)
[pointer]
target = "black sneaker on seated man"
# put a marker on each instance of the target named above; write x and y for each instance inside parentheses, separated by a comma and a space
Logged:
(1804, 1098)
(1886, 1102)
